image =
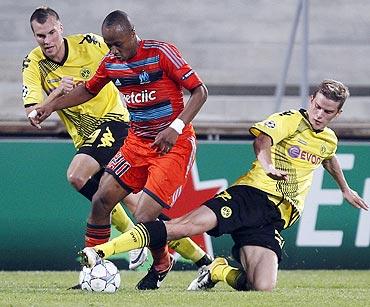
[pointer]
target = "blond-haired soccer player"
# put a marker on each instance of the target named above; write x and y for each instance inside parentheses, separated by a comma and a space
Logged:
(98, 127)
(289, 146)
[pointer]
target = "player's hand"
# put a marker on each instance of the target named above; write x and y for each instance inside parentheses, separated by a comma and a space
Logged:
(66, 85)
(355, 200)
(276, 174)
(43, 112)
(165, 140)
(31, 115)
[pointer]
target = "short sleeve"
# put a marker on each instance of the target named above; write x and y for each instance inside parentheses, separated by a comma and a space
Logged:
(32, 91)
(278, 126)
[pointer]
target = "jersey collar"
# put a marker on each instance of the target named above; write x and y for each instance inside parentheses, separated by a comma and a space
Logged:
(66, 51)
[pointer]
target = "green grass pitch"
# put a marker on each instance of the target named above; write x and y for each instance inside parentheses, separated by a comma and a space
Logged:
(295, 288)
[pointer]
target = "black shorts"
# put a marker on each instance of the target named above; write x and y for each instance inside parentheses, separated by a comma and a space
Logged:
(249, 216)
(105, 141)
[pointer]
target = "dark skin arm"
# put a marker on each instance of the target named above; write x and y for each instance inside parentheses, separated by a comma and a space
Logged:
(167, 138)
(65, 87)
(75, 97)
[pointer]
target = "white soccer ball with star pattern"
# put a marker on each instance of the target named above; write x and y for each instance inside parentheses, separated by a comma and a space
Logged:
(103, 277)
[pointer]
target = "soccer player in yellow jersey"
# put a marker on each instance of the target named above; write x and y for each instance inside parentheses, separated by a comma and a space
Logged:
(98, 127)
(289, 146)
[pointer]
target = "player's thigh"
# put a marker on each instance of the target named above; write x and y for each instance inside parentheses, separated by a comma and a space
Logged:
(238, 207)
(148, 208)
(167, 175)
(261, 265)
(193, 223)
(109, 193)
(131, 172)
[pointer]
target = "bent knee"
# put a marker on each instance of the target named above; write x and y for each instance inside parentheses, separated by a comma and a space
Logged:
(76, 180)
(142, 216)
(145, 213)
(264, 285)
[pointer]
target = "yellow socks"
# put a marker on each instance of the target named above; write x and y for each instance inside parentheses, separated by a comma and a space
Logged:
(136, 237)
(187, 248)
(220, 269)
(152, 234)
(120, 219)
(234, 277)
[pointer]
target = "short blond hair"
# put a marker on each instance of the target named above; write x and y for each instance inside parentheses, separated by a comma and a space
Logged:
(333, 90)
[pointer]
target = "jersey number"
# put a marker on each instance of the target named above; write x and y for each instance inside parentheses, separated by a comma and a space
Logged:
(106, 139)
(286, 113)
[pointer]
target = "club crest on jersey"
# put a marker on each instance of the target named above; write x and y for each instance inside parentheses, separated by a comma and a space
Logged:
(144, 77)
(322, 149)
(85, 73)
(270, 124)
(226, 212)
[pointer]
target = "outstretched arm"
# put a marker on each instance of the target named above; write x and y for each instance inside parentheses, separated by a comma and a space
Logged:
(65, 87)
(75, 97)
(262, 148)
(333, 167)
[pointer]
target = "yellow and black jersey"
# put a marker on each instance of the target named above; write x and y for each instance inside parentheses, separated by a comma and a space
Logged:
(83, 55)
(296, 149)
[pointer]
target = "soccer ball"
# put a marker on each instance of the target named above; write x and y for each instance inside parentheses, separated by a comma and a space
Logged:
(103, 277)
